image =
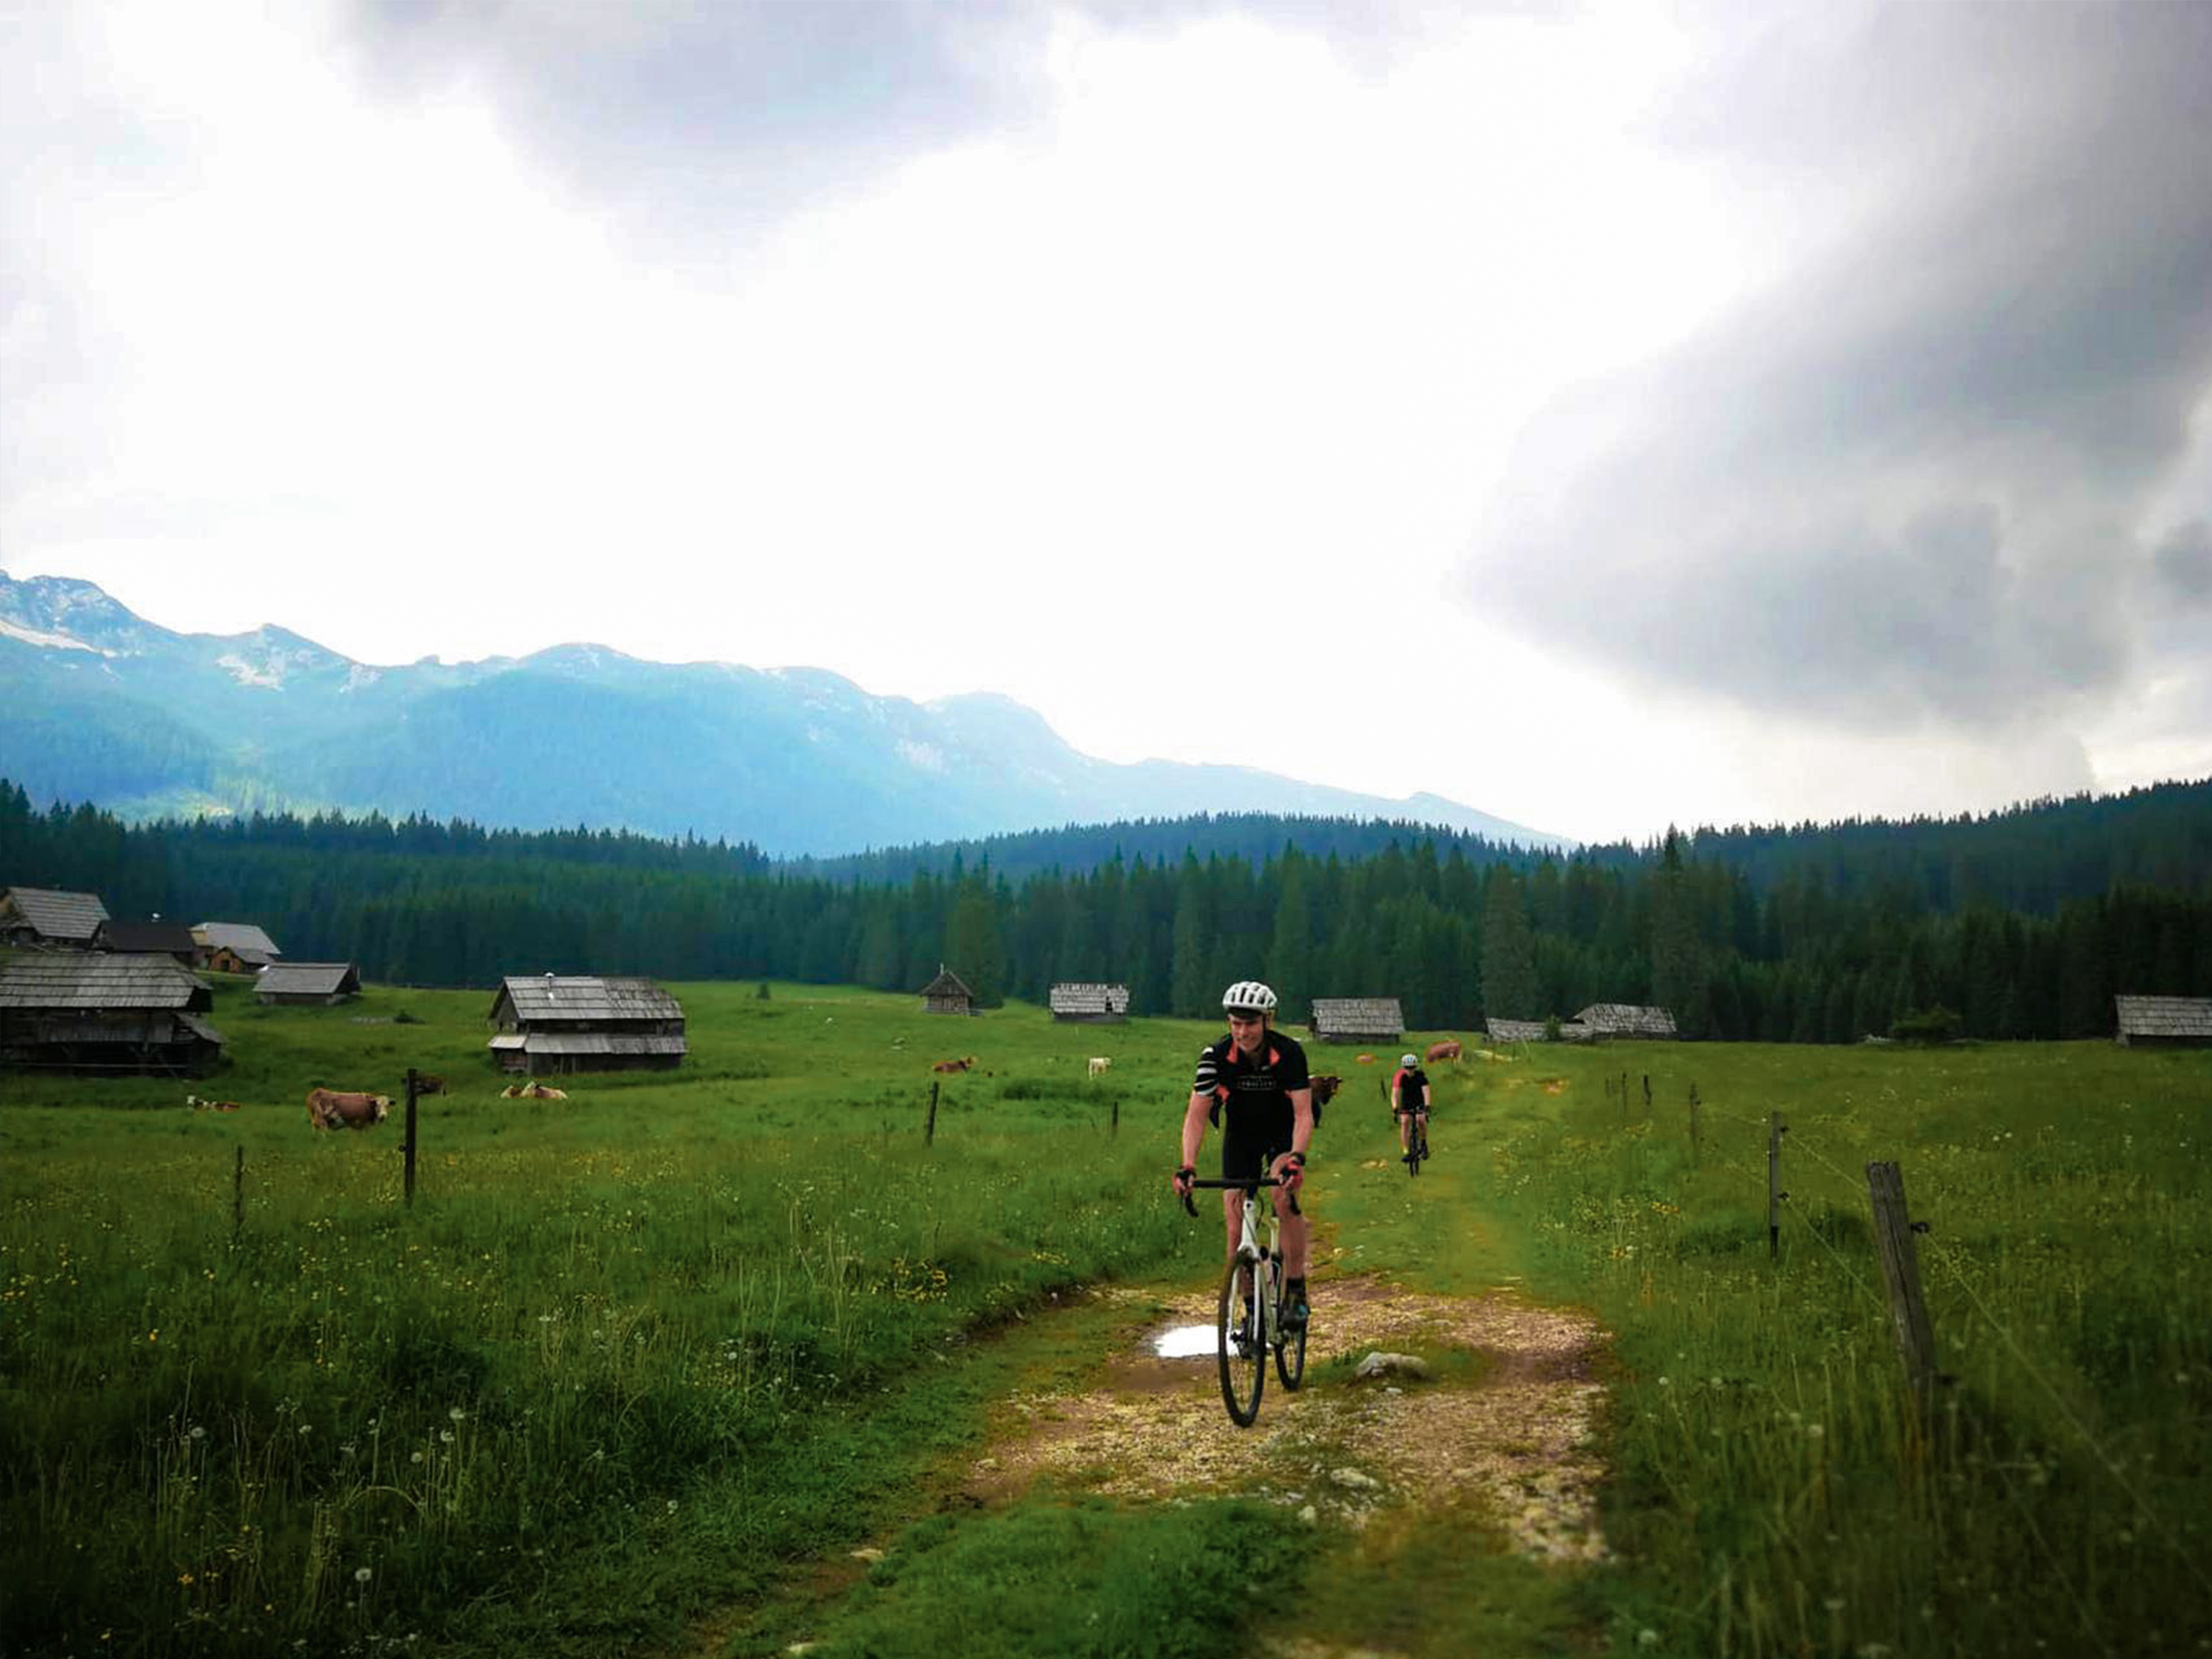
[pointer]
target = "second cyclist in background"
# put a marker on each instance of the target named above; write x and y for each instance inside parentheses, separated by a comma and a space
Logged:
(1256, 1079)
(1409, 1097)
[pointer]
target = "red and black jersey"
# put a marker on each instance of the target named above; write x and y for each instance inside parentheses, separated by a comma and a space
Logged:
(1256, 1092)
(1406, 1086)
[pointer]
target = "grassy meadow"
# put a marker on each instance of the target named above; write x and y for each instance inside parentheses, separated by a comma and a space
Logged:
(634, 1364)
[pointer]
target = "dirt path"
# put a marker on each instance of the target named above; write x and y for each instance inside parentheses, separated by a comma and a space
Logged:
(1507, 1417)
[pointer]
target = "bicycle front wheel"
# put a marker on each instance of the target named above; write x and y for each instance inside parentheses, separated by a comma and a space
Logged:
(1242, 1350)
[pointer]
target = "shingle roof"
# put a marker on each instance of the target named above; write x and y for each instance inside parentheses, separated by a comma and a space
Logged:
(1363, 1016)
(56, 914)
(67, 980)
(565, 997)
(1627, 1019)
(2165, 1016)
(172, 937)
(1532, 1031)
(1075, 998)
(249, 942)
(307, 979)
(947, 983)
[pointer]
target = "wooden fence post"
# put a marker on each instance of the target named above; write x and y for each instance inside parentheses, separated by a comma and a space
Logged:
(1694, 1137)
(929, 1134)
(238, 1195)
(1113, 1124)
(1893, 1231)
(407, 1146)
(1775, 1129)
(1646, 1094)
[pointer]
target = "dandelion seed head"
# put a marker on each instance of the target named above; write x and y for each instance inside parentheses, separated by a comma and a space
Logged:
(198, 1433)
(362, 1575)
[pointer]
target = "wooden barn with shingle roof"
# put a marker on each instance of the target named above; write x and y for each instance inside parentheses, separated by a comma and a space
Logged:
(47, 919)
(94, 1014)
(1091, 1004)
(577, 1022)
(233, 947)
(2164, 1021)
(148, 938)
(307, 984)
(1357, 1020)
(1532, 1031)
(1607, 1020)
(947, 993)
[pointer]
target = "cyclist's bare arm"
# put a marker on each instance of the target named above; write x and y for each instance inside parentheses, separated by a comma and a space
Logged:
(1194, 1133)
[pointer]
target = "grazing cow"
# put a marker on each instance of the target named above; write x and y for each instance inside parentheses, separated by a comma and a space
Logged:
(1325, 1090)
(332, 1109)
(428, 1083)
(532, 1090)
(1366, 1060)
(1099, 1064)
(200, 1105)
(1448, 1050)
(965, 1064)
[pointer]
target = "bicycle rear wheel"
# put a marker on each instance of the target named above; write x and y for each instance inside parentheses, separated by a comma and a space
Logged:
(1290, 1346)
(1243, 1351)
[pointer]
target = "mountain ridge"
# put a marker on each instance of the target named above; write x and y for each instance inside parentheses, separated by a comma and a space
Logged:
(801, 761)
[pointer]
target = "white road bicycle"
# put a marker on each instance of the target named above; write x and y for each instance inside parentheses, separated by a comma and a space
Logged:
(1248, 1327)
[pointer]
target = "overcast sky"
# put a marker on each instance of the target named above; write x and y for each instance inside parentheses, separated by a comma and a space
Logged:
(1604, 416)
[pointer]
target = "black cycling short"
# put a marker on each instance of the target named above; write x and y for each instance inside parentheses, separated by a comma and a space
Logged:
(1247, 1149)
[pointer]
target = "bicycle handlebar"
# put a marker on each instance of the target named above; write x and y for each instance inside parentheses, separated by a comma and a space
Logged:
(1250, 1184)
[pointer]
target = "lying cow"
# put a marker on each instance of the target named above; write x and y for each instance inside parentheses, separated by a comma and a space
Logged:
(1447, 1050)
(1100, 1064)
(532, 1090)
(335, 1109)
(965, 1064)
(200, 1105)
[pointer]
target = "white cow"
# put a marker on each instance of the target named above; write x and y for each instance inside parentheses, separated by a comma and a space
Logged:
(1099, 1064)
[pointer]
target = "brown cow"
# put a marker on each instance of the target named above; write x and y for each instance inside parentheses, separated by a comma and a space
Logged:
(332, 1109)
(1366, 1060)
(428, 1083)
(1324, 1089)
(1447, 1050)
(966, 1065)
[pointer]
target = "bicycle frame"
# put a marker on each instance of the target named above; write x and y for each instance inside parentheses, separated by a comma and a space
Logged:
(1257, 1271)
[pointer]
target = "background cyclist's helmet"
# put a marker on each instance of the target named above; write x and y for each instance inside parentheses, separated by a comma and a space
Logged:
(1409, 1060)
(1249, 996)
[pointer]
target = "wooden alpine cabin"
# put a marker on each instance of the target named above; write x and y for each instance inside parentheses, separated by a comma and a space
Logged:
(1358, 1019)
(946, 994)
(307, 984)
(79, 1012)
(552, 1023)
(1088, 1005)
(47, 918)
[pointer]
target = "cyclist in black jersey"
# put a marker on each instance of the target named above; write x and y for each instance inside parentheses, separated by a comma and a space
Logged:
(1255, 1077)
(1409, 1100)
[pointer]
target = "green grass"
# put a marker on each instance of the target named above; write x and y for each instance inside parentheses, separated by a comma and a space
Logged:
(634, 1360)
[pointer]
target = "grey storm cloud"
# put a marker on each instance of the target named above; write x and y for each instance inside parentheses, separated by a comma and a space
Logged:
(1917, 477)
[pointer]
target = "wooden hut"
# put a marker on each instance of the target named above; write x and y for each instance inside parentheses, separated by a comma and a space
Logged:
(947, 994)
(94, 1014)
(1088, 1005)
(47, 918)
(1358, 1019)
(155, 938)
(576, 1022)
(307, 984)
(1532, 1031)
(233, 948)
(1611, 1020)
(2164, 1021)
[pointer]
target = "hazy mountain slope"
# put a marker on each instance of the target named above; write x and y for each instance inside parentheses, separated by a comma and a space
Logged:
(102, 705)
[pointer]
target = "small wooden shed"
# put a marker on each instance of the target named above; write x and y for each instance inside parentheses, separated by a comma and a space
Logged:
(1532, 1031)
(307, 984)
(150, 938)
(1088, 1005)
(946, 994)
(1358, 1019)
(47, 919)
(2164, 1021)
(1607, 1020)
(577, 1022)
(105, 1013)
(233, 948)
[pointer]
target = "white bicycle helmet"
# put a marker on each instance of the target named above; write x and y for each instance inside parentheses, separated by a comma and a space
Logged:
(1249, 996)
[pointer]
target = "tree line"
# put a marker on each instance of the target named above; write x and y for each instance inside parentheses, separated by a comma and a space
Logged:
(2023, 924)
